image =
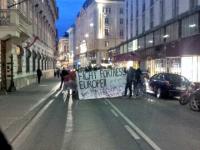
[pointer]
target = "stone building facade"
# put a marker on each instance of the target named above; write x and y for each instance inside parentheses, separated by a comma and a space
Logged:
(99, 25)
(28, 34)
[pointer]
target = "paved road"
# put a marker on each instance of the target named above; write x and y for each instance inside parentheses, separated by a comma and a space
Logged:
(111, 124)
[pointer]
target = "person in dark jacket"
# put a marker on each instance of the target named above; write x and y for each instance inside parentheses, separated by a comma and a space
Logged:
(4, 145)
(138, 81)
(62, 75)
(39, 74)
(129, 80)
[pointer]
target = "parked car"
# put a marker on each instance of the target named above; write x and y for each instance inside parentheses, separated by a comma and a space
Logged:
(168, 84)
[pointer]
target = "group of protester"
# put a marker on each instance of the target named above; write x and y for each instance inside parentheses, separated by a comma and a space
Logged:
(135, 79)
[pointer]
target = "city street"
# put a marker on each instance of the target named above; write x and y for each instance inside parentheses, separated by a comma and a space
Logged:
(111, 124)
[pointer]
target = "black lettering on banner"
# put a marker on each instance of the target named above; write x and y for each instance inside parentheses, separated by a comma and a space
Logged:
(92, 84)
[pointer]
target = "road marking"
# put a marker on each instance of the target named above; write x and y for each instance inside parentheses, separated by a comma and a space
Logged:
(132, 132)
(44, 98)
(58, 93)
(43, 85)
(105, 102)
(114, 113)
(138, 130)
(29, 128)
(69, 124)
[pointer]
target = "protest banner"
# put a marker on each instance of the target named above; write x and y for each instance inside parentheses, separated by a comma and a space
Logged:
(104, 83)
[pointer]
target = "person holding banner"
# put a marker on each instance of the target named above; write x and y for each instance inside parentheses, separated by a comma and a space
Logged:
(129, 81)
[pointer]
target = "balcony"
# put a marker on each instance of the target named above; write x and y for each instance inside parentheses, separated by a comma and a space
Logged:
(14, 24)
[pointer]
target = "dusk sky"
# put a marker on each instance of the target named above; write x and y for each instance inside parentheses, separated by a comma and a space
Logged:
(68, 10)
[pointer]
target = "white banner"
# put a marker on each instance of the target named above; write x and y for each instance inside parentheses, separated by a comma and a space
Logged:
(101, 83)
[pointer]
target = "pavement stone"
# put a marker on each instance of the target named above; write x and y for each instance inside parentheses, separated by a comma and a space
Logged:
(18, 108)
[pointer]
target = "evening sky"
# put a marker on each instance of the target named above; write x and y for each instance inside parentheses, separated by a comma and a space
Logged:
(68, 10)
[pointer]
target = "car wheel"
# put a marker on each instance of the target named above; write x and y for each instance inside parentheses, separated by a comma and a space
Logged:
(159, 93)
(194, 104)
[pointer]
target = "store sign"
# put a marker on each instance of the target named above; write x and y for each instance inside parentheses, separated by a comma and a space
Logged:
(103, 83)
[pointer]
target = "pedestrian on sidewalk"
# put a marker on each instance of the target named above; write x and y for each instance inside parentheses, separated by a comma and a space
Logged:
(4, 145)
(39, 74)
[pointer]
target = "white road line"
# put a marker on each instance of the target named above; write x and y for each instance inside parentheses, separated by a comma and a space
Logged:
(44, 98)
(69, 124)
(114, 113)
(138, 130)
(105, 103)
(58, 93)
(132, 132)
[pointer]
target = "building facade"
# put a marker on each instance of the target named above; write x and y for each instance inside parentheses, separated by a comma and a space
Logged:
(28, 36)
(99, 26)
(72, 46)
(162, 36)
(65, 58)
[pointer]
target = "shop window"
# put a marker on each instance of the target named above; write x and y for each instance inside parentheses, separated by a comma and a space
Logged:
(174, 65)
(125, 48)
(190, 68)
(160, 65)
(121, 49)
(190, 26)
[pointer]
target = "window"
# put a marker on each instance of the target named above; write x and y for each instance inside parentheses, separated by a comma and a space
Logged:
(121, 20)
(106, 43)
(28, 55)
(20, 52)
(149, 40)
(121, 11)
(107, 10)
(19, 63)
(190, 26)
(106, 32)
(141, 43)
(121, 33)
(158, 36)
(172, 32)
(193, 4)
(106, 20)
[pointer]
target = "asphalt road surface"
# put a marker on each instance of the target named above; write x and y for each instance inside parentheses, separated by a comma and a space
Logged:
(111, 124)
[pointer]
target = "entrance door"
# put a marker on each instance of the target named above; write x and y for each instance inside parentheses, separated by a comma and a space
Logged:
(3, 66)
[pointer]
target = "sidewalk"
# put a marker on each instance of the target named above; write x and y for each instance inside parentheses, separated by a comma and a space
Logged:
(18, 108)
